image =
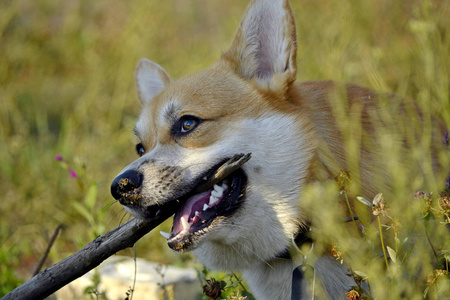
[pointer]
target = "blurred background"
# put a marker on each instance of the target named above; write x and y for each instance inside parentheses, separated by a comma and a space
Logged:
(68, 104)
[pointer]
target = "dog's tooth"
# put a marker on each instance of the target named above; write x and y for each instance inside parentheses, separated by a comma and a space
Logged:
(216, 193)
(218, 188)
(165, 235)
(224, 186)
(196, 213)
(205, 206)
(205, 178)
(185, 224)
(212, 200)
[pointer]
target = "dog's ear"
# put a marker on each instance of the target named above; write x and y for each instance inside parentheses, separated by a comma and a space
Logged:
(151, 79)
(264, 47)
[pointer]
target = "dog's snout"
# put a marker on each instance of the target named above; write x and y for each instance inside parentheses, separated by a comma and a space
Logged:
(126, 183)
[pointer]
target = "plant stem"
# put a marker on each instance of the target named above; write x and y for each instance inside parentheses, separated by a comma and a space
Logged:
(351, 212)
(429, 240)
(135, 273)
(382, 245)
(242, 286)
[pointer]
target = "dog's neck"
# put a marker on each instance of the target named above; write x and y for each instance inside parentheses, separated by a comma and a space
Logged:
(280, 278)
(302, 237)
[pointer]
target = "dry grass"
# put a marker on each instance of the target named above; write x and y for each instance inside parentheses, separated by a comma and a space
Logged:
(66, 87)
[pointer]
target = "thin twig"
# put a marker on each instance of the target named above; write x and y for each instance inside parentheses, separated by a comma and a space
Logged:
(47, 251)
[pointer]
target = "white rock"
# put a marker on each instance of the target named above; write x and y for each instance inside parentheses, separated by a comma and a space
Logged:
(117, 273)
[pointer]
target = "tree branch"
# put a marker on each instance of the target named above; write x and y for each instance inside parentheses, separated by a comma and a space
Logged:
(93, 254)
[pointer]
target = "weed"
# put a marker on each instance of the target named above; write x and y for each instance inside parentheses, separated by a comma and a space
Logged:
(66, 86)
(93, 290)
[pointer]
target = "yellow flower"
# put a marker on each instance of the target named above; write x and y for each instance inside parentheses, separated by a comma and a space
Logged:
(353, 295)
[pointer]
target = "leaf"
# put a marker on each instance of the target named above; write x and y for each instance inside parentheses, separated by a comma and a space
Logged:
(91, 196)
(426, 292)
(84, 212)
(364, 201)
(392, 254)
(223, 284)
(377, 199)
(362, 275)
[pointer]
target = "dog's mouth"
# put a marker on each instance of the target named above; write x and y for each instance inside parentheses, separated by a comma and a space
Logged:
(201, 212)
(210, 198)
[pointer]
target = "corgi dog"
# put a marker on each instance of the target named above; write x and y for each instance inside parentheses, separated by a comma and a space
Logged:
(247, 102)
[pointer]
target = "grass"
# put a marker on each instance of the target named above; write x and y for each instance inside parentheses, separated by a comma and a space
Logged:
(67, 87)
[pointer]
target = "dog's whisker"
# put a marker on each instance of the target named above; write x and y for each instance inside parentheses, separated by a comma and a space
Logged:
(123, 217)
(107, 206)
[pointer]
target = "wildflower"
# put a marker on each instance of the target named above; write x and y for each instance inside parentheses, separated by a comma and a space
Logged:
(336, 253)
(213, 288)
(343, 180)
(435, 275)
(444, 207)
(419, 194)
(395, 225)
(361, 226)
(353, 295)
(73, 174)
(445, 139)
(444, 203)
(427, 201)
(59, 157)
(378, 205)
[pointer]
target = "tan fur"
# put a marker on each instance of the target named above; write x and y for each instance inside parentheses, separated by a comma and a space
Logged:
(315, 100)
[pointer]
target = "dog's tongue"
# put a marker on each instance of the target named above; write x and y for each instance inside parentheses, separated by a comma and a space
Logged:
(193, 204)
(197, 202)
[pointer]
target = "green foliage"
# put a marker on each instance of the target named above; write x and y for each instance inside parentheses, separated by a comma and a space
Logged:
(8, 277)
(219, 285)
(93, 290)
(66, 86)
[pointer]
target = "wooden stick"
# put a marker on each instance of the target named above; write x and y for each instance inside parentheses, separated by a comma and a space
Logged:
(93, 254)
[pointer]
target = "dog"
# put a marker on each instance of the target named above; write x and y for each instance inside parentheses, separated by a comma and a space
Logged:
(247, 102)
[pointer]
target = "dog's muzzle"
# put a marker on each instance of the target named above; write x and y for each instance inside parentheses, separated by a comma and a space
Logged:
(198, 205)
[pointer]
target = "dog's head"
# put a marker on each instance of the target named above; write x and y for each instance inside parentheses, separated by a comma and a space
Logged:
(190, 127)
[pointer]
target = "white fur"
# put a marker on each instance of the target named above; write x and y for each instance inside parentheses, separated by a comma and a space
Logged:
(266, 46)
(270, 215)
(151, 79)
(278, 273)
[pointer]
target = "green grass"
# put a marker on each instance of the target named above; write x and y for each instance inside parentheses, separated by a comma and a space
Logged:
(67, 87)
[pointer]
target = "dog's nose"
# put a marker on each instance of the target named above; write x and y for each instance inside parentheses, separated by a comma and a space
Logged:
(125, 183)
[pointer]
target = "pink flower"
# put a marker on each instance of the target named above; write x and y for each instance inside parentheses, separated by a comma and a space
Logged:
(73, 174)
(447, 183)
(59, 157)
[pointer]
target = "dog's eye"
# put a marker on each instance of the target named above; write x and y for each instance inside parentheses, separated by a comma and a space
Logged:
(185, 125)
(188, 123)
(140, 149)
